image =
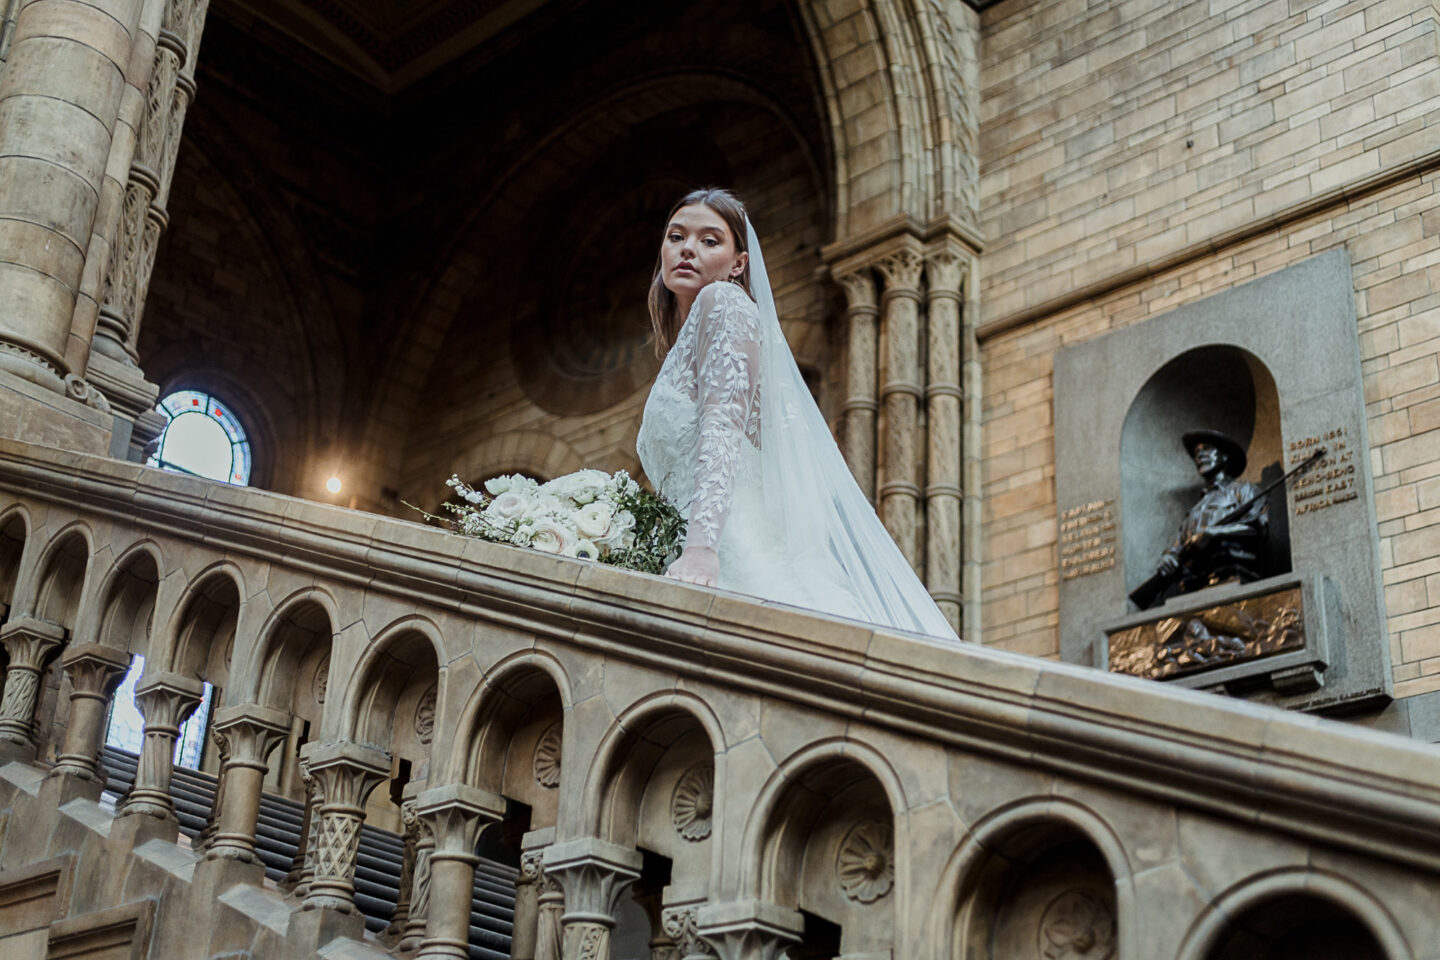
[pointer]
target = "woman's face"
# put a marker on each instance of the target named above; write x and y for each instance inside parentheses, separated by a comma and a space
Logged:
(698, 250)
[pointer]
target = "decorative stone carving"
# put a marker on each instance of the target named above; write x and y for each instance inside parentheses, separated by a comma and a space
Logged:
(95, 671)
(750, 929)
(414, 930)
(682, 925)
(547, 757)
(693, 803)
(165, 700)
(455, 813)
(30, 643)
(593, 873)
(406, 887)
(1076, 925)
(346, 774)
(1230, 633)
(900, 395)
(865, 862)
(76, 388)
(321, 683)
(425, 715)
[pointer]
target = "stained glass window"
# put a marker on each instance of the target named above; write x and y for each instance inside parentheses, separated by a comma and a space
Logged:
(202, 438)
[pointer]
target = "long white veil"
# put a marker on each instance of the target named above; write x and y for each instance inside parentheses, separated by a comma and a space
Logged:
(839, 545)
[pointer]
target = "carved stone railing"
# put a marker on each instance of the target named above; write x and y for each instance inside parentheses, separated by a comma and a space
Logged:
(726, 764)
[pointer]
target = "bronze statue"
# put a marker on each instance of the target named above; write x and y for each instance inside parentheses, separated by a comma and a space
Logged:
(1223, 535)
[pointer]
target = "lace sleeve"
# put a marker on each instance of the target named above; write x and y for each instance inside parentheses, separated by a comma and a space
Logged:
(727, 365)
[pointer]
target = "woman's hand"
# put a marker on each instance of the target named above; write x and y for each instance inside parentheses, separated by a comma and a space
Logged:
(699, 565)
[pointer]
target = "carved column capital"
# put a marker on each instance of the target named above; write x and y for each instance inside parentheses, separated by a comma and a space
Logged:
(902, 271)
(30, 643)
(95, 670)
(593, 873)
(750, 929)
(945, 271)
(455, 814)
(344, 773)
(248, 733)
(859, 287)
(681, 924)
(166, 699)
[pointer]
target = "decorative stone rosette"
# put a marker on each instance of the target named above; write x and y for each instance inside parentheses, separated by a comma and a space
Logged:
(692, 805)
(865, 863)
(1076, 926)
(547, 757)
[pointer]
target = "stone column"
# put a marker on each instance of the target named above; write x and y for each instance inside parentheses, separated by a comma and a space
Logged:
(900, 395)
(593, 874)
(212, 822)
(30, 643)
(455, 814)
(345, 774)
(95, 670)
(250, 732)
(60, 97)
(549, 929)
(749, 929)
(419, 908)
(302, 868)
(943, 399)
(165, 700)
(141, 217)
(861, 314)
(527, 905)
(971, 569)
(406, 886)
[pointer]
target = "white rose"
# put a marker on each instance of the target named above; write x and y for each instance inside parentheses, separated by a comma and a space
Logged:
(620, 535)
(509, 505)
(543, 506)
(498, 485)
(593, 520)
(582, 486)
(550, 537)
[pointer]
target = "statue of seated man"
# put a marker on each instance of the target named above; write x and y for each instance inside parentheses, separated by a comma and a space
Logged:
(1223, 535)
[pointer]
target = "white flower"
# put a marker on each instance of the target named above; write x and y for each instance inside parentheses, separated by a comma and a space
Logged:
(620, 536)
(498, 485)
(593, 520)
(582, 486)
(509, 505)
(550, 537)
(585, 550)
(544, 506)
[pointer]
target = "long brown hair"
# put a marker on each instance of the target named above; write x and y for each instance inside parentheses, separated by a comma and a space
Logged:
(664, 307)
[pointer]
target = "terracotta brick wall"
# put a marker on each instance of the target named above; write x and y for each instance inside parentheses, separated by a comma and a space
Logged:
(1215, 143)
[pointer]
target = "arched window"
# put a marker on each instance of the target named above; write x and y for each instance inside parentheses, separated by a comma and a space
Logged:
(202, 438)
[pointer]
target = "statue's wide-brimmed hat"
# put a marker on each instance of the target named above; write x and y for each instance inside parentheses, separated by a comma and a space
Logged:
(1234, 453)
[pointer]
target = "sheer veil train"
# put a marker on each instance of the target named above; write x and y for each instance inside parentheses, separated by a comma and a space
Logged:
(837, 545)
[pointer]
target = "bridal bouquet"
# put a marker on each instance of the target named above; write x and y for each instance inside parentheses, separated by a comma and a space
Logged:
(589, 514)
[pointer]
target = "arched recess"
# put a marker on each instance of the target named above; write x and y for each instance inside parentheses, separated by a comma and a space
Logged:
(127, 600)
(292, 673)
(62, 576)
(513, 737)
(202, 644)
(825, 839)
(14, 530)
(1038, 878)
(1296, 914)
(391, 704)
(1219, 387)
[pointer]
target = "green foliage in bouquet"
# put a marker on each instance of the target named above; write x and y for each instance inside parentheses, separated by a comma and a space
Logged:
(589, 514)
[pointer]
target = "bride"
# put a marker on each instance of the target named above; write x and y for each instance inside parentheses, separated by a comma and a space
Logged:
(733, 437)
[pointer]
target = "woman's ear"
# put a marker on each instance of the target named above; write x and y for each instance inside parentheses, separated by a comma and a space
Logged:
(741, 260)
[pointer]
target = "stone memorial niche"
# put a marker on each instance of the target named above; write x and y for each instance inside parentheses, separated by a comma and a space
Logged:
(1283, 606)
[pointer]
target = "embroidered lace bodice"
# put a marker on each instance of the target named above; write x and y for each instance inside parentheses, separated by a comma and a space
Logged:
(700, 434)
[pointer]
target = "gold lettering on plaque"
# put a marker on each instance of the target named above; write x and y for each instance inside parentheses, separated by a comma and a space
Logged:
(1087, 539)
(1332, 480)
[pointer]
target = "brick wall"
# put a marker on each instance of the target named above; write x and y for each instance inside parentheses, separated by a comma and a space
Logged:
(1153, 154)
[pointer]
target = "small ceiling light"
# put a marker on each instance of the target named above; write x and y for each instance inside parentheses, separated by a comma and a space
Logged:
(333, 485)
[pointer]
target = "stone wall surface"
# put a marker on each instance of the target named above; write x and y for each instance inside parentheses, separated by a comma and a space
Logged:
(1137, 158)
(926, 799)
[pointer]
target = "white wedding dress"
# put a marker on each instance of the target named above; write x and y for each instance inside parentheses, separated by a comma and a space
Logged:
(731, 435)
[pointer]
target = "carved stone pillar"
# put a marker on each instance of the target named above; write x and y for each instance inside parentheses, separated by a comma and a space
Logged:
(61, 91)
(593, 874)
(900, 395)
(142, 219)
(527, 905)
(302, 868)
(550, 928)
(165, 700)
(971, 568)
(681, 924)
(95, 671)
(456, 814)
(406, 886)
(750, 929)
(345, 773)
(212, 823)
(861, 315)
(943, 400)
(419, 911)
(30, 644)
(250, 732)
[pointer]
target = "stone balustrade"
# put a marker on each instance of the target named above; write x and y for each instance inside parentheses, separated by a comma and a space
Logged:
(681, 768)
